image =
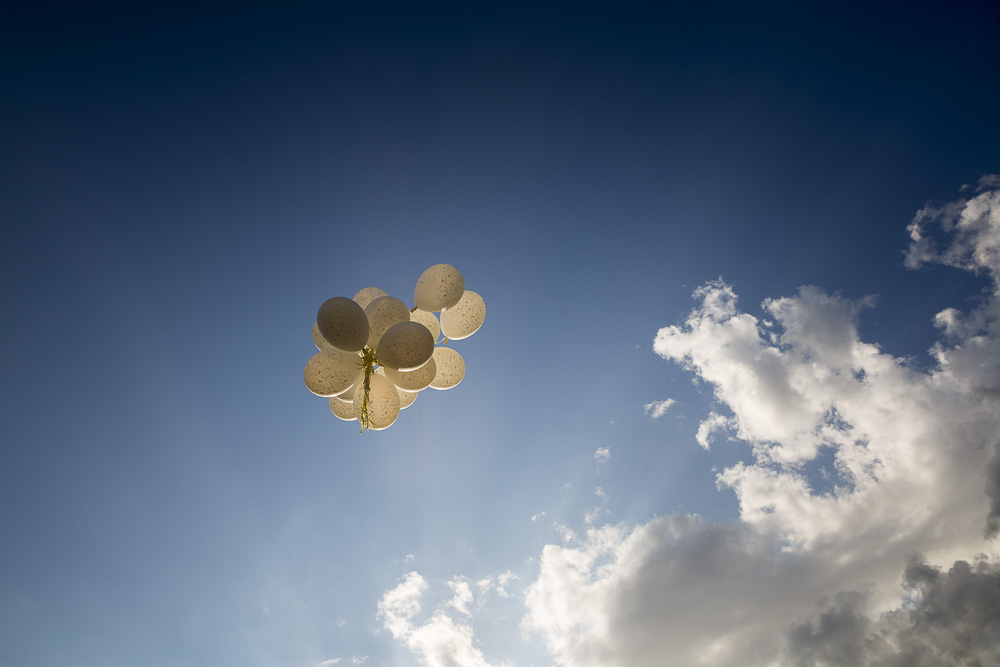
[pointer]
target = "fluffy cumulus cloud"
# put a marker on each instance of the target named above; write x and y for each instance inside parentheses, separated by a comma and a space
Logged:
(440, 641)
(891, 562)
(809, 576)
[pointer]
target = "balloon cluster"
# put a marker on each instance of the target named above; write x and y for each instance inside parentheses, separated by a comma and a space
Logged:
(375, 354)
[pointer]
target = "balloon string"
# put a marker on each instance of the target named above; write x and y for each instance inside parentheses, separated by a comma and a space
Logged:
(368, 362)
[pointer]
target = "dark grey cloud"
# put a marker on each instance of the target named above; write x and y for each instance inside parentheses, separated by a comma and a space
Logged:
(993, 491)
(950, 619)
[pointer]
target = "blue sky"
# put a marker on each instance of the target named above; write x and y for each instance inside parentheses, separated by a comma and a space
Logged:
(183, 186)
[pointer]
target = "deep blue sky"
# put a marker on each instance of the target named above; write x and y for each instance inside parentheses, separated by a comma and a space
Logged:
(181, 187)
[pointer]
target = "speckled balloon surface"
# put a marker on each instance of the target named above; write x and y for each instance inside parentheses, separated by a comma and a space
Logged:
(382, 313)
(319, 341)
(383, 402)
(406, 398)
(348, 396)
(330, 372)
(429, 320)
(413, 380)
(450, 368)
(405, 346)
(465, 317)
(366, 295)
(343, 323)
(342, 409)
(438, 287)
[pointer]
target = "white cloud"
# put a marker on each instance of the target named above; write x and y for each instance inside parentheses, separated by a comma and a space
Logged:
(332, 661)
(439, 641)
(503, 579)
(657, 409)
(567, 533)
(804, 577)
(536, 517)
(463, 596)
(807, 577)
(712, 423)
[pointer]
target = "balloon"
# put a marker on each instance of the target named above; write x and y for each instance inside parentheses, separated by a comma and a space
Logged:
(413, 380)
(366, 295)
(405, 346)
(429, 320)
(465, 317)
(382, 313)
(343, 323)
(383, 402)
(330, 372)
(342, 409)
(450, 368)
(438, 287)
(348, 396)
(319, 341)
(406, 398)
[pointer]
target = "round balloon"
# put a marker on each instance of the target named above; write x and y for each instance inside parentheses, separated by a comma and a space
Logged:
(406, 398)
(428, 319)
(366, 295)
(438, 287)
(342, 409)
(382, 313)
(348, 396)
(413, 380)
(343, 323)
(319, 341)
(465, 317)
(330, 372)
(450, 368)
(405, 346)
(383, 402)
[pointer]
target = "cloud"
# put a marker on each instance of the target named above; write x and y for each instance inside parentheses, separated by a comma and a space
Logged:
(970, 227)
(954, 621)
(503, 579)
(332, 661)
(463, 596)
(536, 517)
(814, 575)
(714, 422)
(657, 409)
(809, 574)
(439, 641)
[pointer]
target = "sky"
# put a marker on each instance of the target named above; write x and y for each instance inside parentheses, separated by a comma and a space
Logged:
(736, 400)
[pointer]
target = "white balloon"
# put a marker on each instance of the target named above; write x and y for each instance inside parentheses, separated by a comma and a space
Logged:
(330, 372)
(406, 398)
(405, 346)
(450, 368)
(438, 287)
(428, 319)
(465, 317)
(366, 295)
(343, 323)
(342, 409)
(413, 380)
(319, 341)
(383, 402)
(348, 396)
(382, 313)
